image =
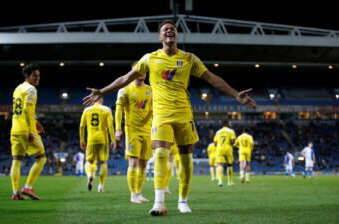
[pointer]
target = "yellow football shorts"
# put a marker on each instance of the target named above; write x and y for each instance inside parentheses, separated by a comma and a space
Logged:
(224, 156)
(212, 160)
(97, 152)
(20, 146)
(245, 156)
(180, 133)
(139, 147)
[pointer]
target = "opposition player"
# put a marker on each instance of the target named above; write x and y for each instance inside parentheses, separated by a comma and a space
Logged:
(97, 121)
(170, 69)
(308, 154)
(245, 143)
(224, 140)
(135, 102)
(211, 159)
(79, 159)
(25, 133)
(289, 163)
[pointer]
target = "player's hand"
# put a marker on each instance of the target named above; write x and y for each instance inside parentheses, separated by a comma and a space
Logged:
(83, 146)
(118, 135)
(113, 145)
(93, 97)
(245, 99)
(30, 137)
(40, 128)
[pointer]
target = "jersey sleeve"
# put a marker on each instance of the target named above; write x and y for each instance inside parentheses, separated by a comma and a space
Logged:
(198, 68)
(31, 97)
(233, 136)
(142, 66)
(29, 108)
(215, 139)
(110, 125)
(82, 127)
(120, 103)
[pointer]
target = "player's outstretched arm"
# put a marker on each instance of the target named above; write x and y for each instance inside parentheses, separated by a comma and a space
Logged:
(220, 84)
(120, 82)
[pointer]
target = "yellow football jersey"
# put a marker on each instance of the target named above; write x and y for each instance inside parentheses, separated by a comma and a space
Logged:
(224, 138)
(24, 106)
(136, 103)
(169, 78)
(244, 142)
(211, 150)
(98, 121)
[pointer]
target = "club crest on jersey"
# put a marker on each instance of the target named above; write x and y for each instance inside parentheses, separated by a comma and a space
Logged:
(168, 74)
(141, 104)
(180, 63)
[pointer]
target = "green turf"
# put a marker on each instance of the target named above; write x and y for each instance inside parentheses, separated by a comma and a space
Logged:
(266, 199)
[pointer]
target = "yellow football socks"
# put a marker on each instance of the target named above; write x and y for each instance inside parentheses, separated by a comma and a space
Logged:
(103, 173)
(132, 174)
(185, 175)
(140, 179)
(161, 167)
(35, 171)
(15, 175)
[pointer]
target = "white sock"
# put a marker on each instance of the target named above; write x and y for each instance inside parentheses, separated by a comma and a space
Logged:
(159, 197)
(27, 186)
(242, 173)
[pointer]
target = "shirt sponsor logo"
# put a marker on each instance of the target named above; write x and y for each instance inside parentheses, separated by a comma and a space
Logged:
(168, 74)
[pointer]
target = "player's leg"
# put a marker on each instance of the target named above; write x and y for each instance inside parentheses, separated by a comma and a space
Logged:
(248, 167)
(212, 173)
(311, 168)
(220, 160)
(248, 172)
(186, 136)
(76, 169)
(242, 166)
(162, 136)
(230, 174)
(212, 168)
(141, 179)
(90, 165)
(145, 155)
(161, 157)
(185, 177)
(18, 145)
(103, 172)
(229, 162)
(169, 171)
(133, 150)
(36, 148)
(220, 171)
(311, 171)
(81, 169)
(287, 170)
(132, 176)
(15, 177)
(292, 171)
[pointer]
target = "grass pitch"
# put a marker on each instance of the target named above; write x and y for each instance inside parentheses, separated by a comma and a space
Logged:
(267, 199)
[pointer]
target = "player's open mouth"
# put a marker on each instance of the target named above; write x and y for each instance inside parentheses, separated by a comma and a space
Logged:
(170, 35)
